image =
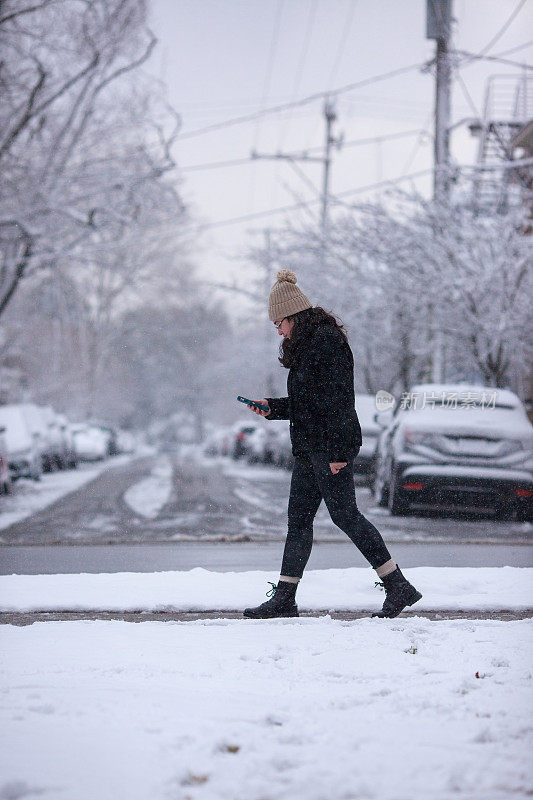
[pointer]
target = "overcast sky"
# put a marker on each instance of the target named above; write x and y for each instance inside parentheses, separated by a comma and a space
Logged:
(222, 59)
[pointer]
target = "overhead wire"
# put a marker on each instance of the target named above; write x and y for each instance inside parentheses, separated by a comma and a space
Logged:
(265, 93)
(297, 206)
(337, 60)
(304, 101)
(353, 143)
(482, 54)
(504, 27)
(301, 64)
(270, 63)
(515, 49)
(471, 57)
(344, 38)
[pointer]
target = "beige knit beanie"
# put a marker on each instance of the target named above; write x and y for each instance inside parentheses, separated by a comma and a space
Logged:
(285, 297)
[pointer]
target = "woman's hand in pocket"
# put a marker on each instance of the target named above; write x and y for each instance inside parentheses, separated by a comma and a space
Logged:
(336, 466)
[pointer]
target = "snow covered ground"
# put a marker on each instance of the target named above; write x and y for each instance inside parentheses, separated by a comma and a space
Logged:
(310, 709)
(443, 588)
(29, 497)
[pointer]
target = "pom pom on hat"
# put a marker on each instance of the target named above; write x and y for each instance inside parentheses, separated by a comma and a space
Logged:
(286, 275)
(286, 298)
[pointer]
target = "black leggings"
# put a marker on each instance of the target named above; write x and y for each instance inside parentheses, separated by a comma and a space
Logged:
(313, 480)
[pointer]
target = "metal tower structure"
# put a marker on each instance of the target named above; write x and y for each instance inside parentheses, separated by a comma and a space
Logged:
(507, 107)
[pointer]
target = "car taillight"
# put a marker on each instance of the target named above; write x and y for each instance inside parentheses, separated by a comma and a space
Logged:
(415, 486)
(523, 492)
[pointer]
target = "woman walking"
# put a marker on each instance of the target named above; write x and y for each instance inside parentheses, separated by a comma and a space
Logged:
(326, 437)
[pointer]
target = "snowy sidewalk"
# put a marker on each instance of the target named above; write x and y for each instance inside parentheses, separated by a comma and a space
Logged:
(352, 589)
(310, 709)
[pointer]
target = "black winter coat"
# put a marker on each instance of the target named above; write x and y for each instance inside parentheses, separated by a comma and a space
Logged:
(321, 398)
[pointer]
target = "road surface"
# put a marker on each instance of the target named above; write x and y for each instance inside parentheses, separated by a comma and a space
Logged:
(166, 512)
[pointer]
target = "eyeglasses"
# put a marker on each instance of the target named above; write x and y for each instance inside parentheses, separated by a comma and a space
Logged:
(279, 324)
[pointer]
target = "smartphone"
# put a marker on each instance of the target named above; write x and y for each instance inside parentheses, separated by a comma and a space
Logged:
(252, 403)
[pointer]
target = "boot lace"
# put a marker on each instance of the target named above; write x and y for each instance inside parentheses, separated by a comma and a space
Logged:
(380, 584)
(271, 592)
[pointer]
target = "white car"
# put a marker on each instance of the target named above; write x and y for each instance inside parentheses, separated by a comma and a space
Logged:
(217, 441)
(57, 455)
(38, 425)
(459, 448)
(365, 405)
(125, 441)
(90, 443)
(22, 450)
(264, 443)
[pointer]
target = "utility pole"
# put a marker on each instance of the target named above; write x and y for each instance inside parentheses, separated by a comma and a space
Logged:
(268, 327)
(438, 27)
(330, 116)
(439, 21)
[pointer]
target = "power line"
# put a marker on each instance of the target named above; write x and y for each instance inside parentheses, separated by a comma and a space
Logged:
(353, 143)
(414, 152)
(515, 49)
(344, 38)
(338, 55)
(271, 57)
(301, 63)
(298, 206)
(467, 95)
(471, 57)
(304, 101)
(266, 87)
(502, 30)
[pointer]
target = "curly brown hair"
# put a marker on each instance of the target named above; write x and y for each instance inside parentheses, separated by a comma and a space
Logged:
(305, 324)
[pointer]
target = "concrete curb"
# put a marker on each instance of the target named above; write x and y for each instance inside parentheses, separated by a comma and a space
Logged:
(28, 618)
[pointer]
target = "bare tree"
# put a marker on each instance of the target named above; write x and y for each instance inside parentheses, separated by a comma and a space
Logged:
(71, 127)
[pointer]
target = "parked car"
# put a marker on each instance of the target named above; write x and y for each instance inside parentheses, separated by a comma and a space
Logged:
(218, 440)
(365, 405)
(56, 457)
(23, 455)
(110, 435)
(241, 431)
(283, 456)
(5, 476)
(90, 442)
(470, 449)
(38, 425)
(70, 457)
(265, 444)
(125, 441)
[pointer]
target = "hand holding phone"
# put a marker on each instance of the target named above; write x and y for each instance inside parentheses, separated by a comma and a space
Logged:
(257, 407)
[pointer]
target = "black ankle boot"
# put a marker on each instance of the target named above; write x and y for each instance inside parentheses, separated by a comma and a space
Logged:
(281, 603)
(400, 593)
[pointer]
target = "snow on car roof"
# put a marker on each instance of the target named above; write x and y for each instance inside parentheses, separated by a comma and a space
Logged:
(506, 420)
(17, 433)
